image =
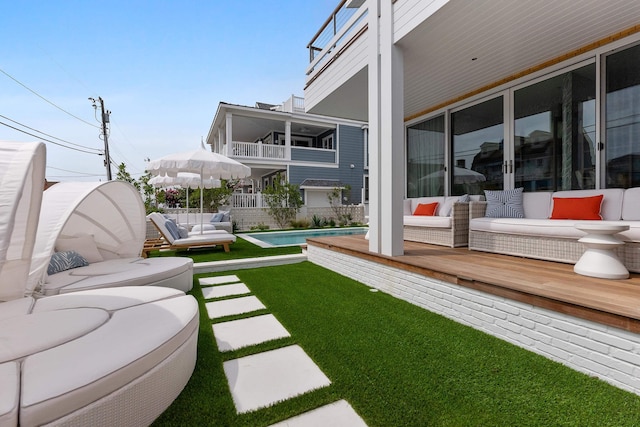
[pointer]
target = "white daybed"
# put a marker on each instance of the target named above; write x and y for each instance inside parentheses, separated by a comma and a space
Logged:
(105, 223)
(93, 358)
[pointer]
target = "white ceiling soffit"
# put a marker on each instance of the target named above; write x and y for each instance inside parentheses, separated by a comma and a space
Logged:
(506, 37)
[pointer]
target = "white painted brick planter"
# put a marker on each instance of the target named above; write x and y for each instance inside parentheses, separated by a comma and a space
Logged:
(592, 348)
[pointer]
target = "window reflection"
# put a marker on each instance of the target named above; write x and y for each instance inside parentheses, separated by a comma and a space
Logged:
(622, 145)
(555, 132)
(478, 134)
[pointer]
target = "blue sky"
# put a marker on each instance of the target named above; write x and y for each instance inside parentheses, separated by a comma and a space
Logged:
(161, 67)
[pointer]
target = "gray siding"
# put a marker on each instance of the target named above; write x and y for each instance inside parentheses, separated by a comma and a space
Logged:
(350, 145)
(313, 155)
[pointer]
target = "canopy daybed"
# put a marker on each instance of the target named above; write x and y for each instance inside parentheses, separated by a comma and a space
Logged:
(86, 358)
(104, 222)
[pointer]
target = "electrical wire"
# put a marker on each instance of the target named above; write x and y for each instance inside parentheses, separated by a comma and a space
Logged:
(70, 171)
(50, 136)
(45, 99)
(47, 140)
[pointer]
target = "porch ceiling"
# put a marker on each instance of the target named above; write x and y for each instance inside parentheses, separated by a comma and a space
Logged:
(506, 37)
(250, 128)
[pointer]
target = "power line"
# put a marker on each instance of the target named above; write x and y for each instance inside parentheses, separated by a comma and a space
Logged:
(70, 171)
(50, 136)
(47, 140)
(45, 99)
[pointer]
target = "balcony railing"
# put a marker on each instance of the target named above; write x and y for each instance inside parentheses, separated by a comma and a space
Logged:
(344, 23)
(258, 150)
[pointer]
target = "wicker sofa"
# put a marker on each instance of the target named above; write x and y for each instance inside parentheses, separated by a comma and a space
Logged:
(449, 226)
(537, 236)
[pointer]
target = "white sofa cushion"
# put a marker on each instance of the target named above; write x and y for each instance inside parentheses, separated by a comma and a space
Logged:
(611, 204)
(428, 221)
(631, 204)
(447, 206)
(537, 205)
(528, 227)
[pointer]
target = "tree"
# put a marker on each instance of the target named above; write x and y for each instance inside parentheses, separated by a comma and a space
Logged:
(125, 176)
(283, 200)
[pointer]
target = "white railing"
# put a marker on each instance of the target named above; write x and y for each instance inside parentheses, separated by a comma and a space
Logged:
(247, 200)
(343, 24)
(295, 104)
(258, 150)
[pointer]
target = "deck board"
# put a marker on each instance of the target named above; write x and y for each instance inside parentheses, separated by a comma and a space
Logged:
(547, 284)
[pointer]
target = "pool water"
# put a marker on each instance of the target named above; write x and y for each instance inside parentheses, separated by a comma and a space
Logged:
(274, 239)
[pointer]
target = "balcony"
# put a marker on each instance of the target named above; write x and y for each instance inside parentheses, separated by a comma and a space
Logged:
(259, 151)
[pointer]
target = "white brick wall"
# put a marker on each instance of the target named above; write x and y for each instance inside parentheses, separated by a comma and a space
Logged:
(592, 348)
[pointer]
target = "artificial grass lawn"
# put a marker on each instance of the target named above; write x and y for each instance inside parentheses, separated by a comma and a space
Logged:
(240, 249)
(396, 364)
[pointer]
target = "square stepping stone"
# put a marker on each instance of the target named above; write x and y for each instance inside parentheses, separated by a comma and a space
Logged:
(225, 290)
(245, 332)
(338, 414)
(218, 280)
(230, 307)
(262, 379)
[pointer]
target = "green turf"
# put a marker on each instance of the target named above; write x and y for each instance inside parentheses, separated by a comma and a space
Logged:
(396, 364)
(240, 249)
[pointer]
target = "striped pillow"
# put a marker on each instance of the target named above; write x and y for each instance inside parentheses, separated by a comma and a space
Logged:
(504, 204)
(62, 261)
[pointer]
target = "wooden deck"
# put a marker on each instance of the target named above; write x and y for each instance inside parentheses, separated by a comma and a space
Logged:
(545, 284)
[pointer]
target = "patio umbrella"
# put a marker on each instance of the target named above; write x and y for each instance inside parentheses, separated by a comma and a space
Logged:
(185, 180)
(203, 162)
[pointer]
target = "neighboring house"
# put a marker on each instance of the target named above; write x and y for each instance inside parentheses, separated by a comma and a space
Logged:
(543, 95)
(317, 153)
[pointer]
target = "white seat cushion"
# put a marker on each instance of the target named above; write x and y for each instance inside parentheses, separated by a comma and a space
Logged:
(528, 227)
(9, 393)
(427, 221)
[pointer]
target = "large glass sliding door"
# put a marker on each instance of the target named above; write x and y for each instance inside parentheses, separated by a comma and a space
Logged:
(622, 119)
(554, 132)
(477, 139)
(425, 158)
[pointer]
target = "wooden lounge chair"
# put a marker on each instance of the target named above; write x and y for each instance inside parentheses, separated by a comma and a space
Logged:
(193, 240)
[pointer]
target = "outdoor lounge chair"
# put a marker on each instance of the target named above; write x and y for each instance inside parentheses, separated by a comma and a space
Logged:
(205, 239)
(104, 223)
(116, 356)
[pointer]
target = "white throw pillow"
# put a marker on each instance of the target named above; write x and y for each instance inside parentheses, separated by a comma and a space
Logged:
(83, 245)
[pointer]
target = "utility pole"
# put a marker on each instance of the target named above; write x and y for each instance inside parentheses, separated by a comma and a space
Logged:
(105, 120)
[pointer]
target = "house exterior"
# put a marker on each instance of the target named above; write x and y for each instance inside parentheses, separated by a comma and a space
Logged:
(543, 95)
(316, 152)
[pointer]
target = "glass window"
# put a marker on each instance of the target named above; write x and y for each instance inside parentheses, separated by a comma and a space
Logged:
(554, 132)
(477, 148)
(623, 119)
(425, 158)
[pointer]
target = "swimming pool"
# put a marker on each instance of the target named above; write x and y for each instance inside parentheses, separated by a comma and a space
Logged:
(274, 239)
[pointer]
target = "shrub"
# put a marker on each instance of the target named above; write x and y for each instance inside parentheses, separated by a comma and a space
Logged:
(301, 223)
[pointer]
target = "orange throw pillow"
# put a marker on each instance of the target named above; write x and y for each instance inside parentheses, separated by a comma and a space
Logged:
(426, 209)
(577, 207)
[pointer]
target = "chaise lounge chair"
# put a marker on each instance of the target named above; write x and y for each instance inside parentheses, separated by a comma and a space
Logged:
(115, 356)
(193, 240)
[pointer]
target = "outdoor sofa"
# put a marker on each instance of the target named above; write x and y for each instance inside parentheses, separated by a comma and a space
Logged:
(104, 357)
(447, 225)
(535, 235)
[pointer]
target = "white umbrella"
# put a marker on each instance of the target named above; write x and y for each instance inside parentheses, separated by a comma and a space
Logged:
(203, 162)
(185, 180)
(460, 175)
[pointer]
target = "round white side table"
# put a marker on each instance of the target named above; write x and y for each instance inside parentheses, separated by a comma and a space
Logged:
(599, 258)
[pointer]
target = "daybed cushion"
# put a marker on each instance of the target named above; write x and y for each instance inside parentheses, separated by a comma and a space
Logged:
(504, 204)
(143, 330)
(174, 272)
(9, 393)
(82, 244)
(62, 261)
(172, 228)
